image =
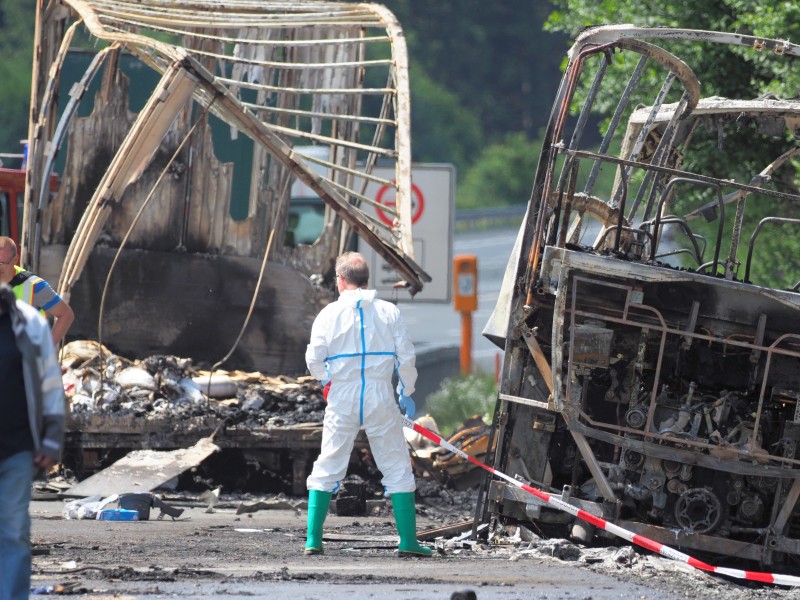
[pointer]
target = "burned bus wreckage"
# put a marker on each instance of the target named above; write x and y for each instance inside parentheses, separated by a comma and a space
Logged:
(651, 373)
(163, 244)
(178, 229)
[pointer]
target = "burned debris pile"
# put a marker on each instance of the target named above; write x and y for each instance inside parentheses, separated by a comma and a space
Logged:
(268, 428)
(104, 386)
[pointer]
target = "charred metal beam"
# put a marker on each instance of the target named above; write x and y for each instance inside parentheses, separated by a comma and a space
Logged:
(687, 174)
(403, 263)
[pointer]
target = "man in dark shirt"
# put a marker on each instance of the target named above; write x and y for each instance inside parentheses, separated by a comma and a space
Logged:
(15, 435)
(31, 430)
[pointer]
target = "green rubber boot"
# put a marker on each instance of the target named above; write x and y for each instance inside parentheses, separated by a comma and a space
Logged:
(405, 515)
(318, 503)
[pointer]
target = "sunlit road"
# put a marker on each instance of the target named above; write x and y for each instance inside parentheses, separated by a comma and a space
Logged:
(440, 325)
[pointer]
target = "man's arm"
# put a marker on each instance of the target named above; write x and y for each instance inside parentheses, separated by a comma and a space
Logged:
(317, 350)
(406, 358)
(63, 315)
(47, 375)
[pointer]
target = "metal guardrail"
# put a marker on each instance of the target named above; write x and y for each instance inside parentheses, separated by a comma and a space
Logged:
(489, 218)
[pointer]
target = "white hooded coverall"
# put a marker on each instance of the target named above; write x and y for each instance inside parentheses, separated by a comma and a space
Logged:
(357, 343)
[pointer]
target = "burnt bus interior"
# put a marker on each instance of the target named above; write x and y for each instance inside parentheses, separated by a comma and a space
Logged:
(651, 331)
(182, 143)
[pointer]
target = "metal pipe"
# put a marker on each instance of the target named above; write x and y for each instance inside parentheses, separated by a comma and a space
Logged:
(636, 76)
(720, 204)
(687, 230)
(660, 157)
(637, 145)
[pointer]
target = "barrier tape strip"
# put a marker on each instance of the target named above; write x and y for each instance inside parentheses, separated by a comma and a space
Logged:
(634, 538)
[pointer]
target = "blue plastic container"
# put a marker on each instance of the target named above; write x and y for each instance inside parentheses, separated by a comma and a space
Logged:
(118, 514)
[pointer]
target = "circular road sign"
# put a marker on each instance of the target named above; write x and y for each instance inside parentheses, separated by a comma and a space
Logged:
(386, 197)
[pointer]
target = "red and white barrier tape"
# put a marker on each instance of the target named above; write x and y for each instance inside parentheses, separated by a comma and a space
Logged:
(634, 538)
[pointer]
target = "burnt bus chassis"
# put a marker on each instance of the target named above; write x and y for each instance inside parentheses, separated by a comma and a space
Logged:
(662, 399)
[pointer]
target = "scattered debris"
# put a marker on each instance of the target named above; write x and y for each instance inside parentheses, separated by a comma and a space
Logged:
(70, 588)
(449, 468)
(271, 504)
(166, 403)
(145, 469)
(421, 444)
(557, 548)
(87, 508)
(463, 539)
(272, 424)
(211, 497)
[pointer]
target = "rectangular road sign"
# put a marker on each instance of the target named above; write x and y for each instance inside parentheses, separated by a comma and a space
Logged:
(432, 210)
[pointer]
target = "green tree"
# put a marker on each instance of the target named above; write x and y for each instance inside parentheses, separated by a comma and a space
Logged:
(728, 71)
(502, 175)
(735, 72)
(480, 71)
(442, 130)
(461, 398)
(493, 56)
(16, 24)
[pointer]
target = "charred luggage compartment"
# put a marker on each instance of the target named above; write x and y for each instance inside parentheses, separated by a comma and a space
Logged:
(651, 331)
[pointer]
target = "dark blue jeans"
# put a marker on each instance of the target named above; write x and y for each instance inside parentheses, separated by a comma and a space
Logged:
(16, 475)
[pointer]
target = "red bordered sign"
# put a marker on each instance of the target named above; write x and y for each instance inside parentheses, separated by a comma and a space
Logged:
(386, 197)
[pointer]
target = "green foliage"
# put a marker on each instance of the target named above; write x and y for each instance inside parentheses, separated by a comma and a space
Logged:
(727, 71)
(16, 23)
(458, 399)
(441, 129)
(502, 175)
(492, 55)
(500, 73)
(735, 72)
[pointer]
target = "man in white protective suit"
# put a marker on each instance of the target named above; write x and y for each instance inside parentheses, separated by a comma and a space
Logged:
(356, 344)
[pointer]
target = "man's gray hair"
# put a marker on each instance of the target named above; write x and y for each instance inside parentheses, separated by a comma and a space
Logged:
(352, 266)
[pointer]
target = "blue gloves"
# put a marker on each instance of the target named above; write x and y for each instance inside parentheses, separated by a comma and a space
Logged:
(407, 406)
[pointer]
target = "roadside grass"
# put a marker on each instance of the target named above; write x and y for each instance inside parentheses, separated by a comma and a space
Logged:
(460, 398)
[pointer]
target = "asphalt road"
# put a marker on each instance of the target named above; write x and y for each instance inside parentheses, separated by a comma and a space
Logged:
(259, 555)
(432, 324)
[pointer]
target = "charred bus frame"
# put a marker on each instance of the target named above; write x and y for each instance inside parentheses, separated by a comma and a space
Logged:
(646, 378)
